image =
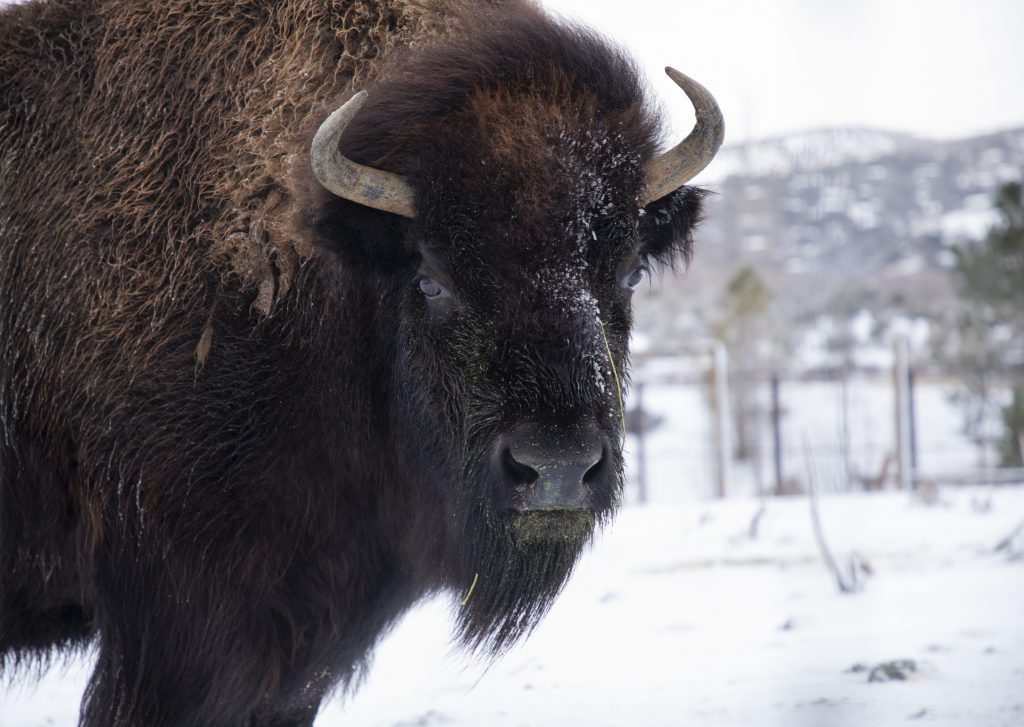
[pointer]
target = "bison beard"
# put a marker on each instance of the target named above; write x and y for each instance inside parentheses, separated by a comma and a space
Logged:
(245, 423)
(522, 568)
(514, 565)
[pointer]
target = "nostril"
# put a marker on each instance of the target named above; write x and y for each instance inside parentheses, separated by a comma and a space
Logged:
(520, 473)
(598, 467)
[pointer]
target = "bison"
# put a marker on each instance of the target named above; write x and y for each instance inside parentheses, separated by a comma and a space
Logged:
(270, 374)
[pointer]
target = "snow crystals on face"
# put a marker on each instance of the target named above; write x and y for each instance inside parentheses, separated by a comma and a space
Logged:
(598, 166)
(567, 290)
(598, 163)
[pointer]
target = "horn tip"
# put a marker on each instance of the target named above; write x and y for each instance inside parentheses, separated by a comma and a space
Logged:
(356, 102)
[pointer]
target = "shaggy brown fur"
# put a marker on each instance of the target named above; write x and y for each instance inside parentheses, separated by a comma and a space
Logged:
(236, 442)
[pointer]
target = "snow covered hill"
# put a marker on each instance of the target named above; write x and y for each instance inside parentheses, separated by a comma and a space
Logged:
(806, 151)
(856, 201)
(837, 221)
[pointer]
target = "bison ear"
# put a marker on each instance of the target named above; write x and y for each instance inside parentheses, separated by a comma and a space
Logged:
(667, 225)
(362, 236)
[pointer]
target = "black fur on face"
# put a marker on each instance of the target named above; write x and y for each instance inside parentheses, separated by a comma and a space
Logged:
(525, 144)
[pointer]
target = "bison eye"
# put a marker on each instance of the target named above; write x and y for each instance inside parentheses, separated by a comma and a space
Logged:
(431, 288)
(634, 278)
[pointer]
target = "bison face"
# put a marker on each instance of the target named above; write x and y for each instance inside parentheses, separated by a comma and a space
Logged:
(515, 318)
(508, 252)
(513, 289)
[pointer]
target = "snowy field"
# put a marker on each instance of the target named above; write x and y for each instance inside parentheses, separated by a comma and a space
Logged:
(680, 617)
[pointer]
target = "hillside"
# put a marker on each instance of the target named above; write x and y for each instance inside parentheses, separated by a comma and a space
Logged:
(837, 221)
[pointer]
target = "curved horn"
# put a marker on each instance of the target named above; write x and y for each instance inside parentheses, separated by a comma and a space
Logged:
(670, 171)
(365, 185)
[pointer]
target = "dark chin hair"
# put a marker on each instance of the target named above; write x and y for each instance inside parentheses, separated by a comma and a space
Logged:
(512, 566)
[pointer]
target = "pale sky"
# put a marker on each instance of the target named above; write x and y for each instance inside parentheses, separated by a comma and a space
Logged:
(935, 68)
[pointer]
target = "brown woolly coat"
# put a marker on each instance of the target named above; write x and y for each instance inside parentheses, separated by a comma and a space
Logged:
(154, 231)
(245, 124)
(190, 205)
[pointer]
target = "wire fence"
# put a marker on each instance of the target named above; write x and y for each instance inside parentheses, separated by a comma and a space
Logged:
(763, 433)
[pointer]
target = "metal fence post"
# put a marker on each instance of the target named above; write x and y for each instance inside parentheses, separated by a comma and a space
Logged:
(641, 453)
(776, 415)
(901, 374)
(723, 441)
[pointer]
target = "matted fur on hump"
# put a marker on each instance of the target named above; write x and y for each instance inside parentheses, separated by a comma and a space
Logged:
(299, 73)
(172, 126)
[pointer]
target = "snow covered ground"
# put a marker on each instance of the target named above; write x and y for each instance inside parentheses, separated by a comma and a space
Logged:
(680, 617)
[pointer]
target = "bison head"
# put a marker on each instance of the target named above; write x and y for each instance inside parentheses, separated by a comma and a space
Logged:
(530, 206)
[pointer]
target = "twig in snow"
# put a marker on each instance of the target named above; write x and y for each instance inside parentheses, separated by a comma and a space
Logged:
(1007, 542)
(755, 522)
(847, 582)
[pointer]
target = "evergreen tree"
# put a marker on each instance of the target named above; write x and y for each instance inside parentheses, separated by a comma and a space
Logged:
(990, 277)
